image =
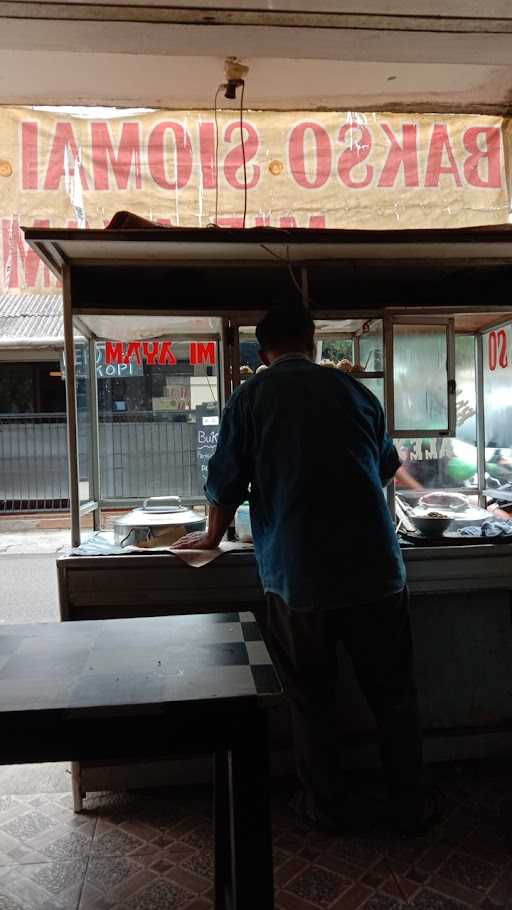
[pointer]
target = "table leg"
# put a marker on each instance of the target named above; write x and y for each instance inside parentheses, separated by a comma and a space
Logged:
(251, 830)
(76, 784)
(222, 828)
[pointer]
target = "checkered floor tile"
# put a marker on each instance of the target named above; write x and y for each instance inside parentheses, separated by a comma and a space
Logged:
(148, 850)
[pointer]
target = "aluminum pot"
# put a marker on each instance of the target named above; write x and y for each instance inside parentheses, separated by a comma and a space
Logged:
(143, 524)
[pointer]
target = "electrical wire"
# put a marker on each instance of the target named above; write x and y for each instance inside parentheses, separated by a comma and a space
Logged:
(242, 142)
(272, 253)
(210, 388)
(292, 276)
(216, 112)
(287, 262)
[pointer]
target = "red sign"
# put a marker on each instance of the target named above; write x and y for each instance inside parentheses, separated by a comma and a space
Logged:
(158, 352)
(498, 355)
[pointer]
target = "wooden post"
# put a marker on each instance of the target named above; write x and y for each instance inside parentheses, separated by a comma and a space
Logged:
(69, 351)
(225, 367)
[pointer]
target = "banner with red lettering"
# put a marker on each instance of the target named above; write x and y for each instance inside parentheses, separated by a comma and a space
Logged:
(335, 170)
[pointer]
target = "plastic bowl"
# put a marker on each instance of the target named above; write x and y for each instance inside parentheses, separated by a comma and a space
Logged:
(431, 527)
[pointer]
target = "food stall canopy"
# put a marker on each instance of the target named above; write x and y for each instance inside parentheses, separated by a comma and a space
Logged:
(135, 328)
(296, 245)
(209, 271)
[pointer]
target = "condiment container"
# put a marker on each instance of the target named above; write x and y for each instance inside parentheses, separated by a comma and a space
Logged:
(243, 523)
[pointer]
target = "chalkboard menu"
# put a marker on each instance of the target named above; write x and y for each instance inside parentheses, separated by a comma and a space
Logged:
(207, 433)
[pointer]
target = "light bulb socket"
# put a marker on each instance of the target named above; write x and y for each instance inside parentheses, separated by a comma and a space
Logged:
(231, 87)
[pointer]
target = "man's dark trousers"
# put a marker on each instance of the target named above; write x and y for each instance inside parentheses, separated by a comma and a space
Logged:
(378, 638)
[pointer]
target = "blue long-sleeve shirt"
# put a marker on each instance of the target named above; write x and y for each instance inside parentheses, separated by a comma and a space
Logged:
(311, 444)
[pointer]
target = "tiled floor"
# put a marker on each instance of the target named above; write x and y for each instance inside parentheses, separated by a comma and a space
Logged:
(152, 850)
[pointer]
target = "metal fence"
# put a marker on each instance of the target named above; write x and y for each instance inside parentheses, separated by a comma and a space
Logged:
(146, 454)
(33, 462)
(149, 454)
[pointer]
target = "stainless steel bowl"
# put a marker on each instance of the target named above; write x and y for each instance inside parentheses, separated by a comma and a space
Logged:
(430, 527)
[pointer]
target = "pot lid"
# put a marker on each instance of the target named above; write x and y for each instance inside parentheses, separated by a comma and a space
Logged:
(140, 518)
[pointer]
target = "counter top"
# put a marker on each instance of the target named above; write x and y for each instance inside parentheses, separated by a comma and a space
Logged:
(410, 553)
(430, 569)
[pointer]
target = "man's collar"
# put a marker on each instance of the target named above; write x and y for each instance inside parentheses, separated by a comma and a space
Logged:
(291, 355)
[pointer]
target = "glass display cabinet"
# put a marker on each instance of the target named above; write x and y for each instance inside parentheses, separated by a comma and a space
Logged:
(159, 329)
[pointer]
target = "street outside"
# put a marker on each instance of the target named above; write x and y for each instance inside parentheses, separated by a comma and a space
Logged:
(28, 577)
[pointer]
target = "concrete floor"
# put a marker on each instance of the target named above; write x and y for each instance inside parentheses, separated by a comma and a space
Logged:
(29, 541)
(28, 577)
(28, 586)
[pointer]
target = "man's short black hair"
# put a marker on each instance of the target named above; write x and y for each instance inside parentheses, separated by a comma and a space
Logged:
(285, 325)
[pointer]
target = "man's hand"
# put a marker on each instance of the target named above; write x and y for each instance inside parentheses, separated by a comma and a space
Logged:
(219, 520)
(198, 540)
(405, 478)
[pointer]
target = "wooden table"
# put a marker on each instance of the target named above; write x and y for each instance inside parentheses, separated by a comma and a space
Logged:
(148, 687)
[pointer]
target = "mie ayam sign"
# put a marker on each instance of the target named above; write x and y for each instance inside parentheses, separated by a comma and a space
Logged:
(334, 170)
(158, 352)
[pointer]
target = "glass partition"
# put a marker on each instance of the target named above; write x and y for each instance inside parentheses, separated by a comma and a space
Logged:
(250, 361)
(336, 352)
(442, 463)
(497, 381)
(352, 345)
(376, 386)
(446, 465)
(371, 346)
(158, 413)
(421, 377)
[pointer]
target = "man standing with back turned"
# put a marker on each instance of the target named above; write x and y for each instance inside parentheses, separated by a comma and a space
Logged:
(311, 444)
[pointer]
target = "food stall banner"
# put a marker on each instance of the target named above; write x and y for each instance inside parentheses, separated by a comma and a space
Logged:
(303, 169)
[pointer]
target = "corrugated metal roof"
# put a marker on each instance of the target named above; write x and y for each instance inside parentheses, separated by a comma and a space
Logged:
(30, 319)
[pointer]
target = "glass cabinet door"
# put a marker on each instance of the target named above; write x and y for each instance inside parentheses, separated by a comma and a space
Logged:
(421, 377)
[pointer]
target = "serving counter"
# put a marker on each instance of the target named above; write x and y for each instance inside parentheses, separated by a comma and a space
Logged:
(111, 587)
(462, 627)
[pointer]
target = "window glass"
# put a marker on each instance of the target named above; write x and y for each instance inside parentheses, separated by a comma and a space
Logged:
(329, 350)
(371, 347)
(445, 463)
(420, 377)
(16, 388)
(376, 386)
(335, 350)
(50, 390)
(497, 362)
(250, 360)
(158, 410)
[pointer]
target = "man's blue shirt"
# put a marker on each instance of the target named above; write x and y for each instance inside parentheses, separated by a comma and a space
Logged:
(310, 442)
